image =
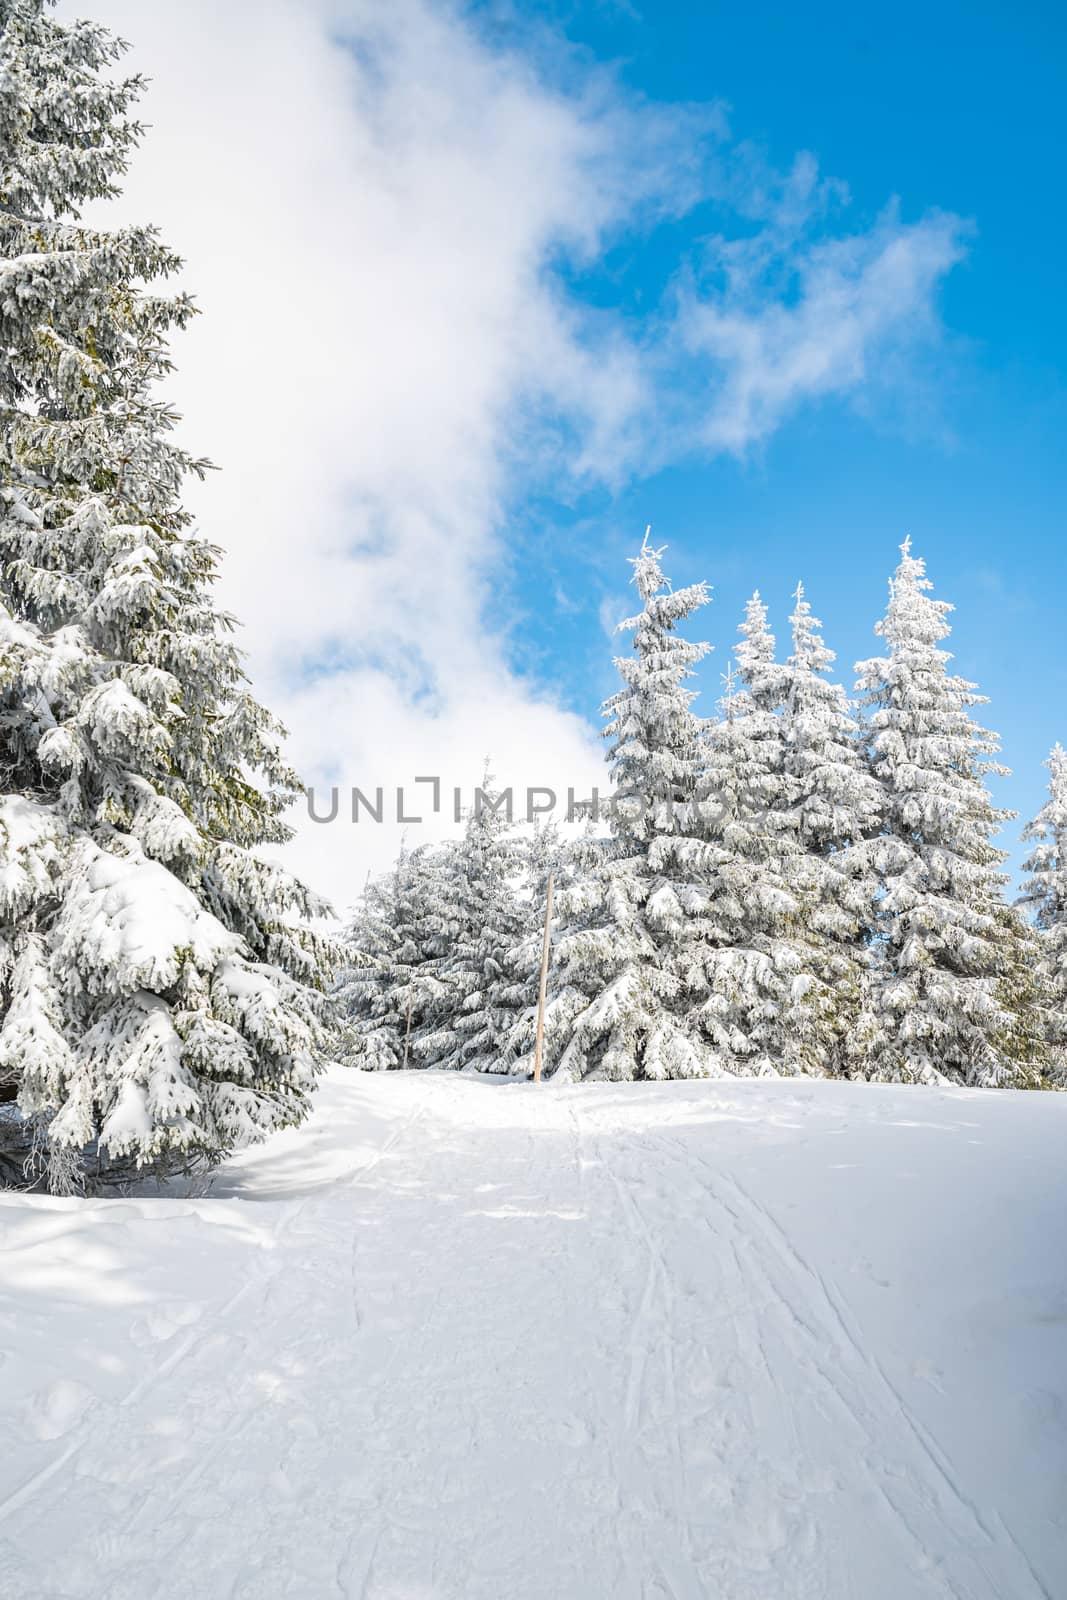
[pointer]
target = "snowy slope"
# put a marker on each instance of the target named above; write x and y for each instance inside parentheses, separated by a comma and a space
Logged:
(461, 1340)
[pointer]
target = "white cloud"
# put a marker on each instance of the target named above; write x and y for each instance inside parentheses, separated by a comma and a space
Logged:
(371, 202)
(366, 232)
(787, 318)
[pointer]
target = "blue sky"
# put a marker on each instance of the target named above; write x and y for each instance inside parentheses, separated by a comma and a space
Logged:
(958, 108)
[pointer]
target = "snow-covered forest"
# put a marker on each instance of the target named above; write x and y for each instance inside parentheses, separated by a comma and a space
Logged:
(804, 883)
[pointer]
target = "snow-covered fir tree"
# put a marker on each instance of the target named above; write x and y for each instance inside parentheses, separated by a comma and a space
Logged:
(445, 949)
(385, 950)
(617, 996)
(754, 1003)
(835, 803)
(545, 854)
(158, 982)
(420, 994)
(1045, 897)
(475, 998)
(937, 1007)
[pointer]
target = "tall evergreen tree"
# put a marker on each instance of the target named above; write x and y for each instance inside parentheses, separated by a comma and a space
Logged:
(543, 853)
(158, 983)
(475, 1005)
(617, 1004)
(755, 1004)
(421, 994)
(384, 951)
(835, 804)
(1045, 896)
(937, 1009)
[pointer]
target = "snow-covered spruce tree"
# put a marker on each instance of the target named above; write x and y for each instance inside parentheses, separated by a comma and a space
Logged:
(1023, 991)
(158, 985)
(1045, 897)
(384, 952)
(474, 1001)
(754, 1000)
(836, 809)
(946, 938)
(625, 925)
(544, 853)
(421, 995)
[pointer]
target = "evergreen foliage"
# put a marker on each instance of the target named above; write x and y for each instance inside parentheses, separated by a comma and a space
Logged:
(937, 1010)
(472, 1007)
(836, 807)
(375, 993)
(158, 980)
(618, 994)
(794, 887)
(1045, 896)
(750, 973)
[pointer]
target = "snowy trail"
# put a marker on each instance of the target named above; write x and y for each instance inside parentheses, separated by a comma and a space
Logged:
(460, 1340)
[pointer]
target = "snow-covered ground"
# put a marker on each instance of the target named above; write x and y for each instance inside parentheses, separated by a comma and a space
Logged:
(462, 1340)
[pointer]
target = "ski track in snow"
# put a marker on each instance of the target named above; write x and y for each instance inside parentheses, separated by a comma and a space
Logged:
(468, 1340)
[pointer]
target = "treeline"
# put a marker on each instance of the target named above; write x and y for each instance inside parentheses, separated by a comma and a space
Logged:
(801, 884)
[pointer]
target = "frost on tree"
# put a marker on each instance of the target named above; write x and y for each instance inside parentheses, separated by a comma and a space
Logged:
(1045, 896)
(787, 805)
(938, 1009)
(626, 925)
(399, 997)
(834, 803)
(743, 972)
(545, 853)
(471, 1010)
(384, 952)
(751, 973)
(159, 983)
(446, 949)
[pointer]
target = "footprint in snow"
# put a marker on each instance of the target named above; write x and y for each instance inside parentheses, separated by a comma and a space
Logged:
(54, 1411)
(163, 1322)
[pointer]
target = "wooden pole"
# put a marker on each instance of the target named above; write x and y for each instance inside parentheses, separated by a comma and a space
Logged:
(407, 1031)
(540, 1045)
